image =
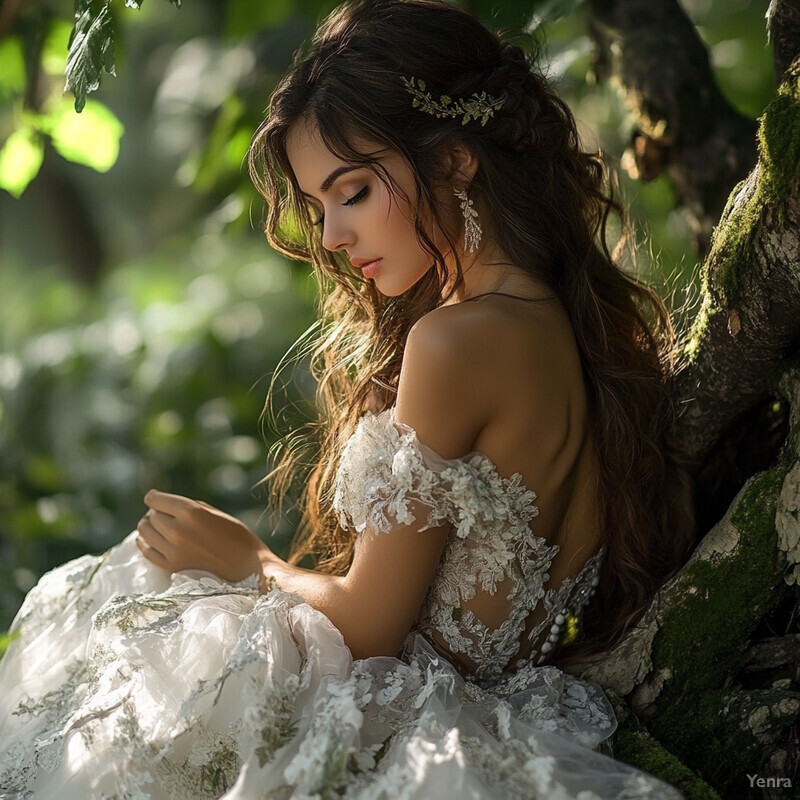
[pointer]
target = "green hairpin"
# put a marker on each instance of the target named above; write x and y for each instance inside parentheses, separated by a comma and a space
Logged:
(480, 106)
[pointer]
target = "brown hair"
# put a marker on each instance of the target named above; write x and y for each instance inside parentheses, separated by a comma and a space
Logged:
(550, 204)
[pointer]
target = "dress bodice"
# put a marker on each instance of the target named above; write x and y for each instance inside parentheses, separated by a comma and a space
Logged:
(385, 470)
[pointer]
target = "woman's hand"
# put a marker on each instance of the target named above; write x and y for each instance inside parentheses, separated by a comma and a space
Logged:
(178, 533)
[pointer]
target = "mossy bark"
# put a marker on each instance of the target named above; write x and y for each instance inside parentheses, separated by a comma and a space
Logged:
(684, 675)
(680, 670)
(748, 322)
(634, 745)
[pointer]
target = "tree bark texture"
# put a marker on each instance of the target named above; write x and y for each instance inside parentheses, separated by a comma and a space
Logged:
(748, 322)
(688, 671)
(783, 24)
(704, 681)
(684, 127)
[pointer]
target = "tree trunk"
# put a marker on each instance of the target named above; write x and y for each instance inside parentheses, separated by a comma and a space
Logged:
(710, 673)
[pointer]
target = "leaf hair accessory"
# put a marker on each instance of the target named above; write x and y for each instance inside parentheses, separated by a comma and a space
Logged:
(480, 106)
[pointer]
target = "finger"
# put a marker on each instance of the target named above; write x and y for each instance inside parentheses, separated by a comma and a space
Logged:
(162, 522)
(168, 503)
(152, 537)
(151, 554)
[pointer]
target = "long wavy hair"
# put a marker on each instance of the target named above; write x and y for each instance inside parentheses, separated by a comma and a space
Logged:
(548, 204)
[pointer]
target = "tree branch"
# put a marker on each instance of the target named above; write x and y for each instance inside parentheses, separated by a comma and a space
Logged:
(783, 27)
(684, 126)
(748, 322)
(676, 666)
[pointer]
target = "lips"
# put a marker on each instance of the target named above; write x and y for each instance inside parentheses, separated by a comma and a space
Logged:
(360, 263)
(368, 267)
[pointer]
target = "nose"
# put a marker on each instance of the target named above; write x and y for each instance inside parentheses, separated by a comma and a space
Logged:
(336, 234)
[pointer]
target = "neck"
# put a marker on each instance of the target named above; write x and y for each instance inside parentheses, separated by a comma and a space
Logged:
(490, 270)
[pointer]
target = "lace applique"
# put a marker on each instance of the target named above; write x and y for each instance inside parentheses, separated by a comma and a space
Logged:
(258, 696)
(385, 471)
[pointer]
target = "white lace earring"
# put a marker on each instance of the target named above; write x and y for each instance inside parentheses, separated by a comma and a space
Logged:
(472, 230)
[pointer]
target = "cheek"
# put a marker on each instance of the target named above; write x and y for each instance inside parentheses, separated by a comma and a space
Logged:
(400, 228)
(394, 215)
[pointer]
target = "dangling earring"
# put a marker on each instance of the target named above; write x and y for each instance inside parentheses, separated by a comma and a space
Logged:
(472, 230)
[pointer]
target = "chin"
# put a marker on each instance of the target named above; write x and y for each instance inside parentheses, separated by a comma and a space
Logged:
(394, 288)
(390, 290)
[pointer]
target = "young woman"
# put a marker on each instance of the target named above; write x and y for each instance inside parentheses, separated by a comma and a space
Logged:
(492, 402)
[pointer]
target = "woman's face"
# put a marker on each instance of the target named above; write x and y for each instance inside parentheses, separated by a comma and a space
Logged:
(359, 215)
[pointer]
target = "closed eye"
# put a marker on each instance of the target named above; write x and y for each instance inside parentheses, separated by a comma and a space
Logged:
(354, 200)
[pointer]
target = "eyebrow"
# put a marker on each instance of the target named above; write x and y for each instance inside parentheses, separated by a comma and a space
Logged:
(328, 182)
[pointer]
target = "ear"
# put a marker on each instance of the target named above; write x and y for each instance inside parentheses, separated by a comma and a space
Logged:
(462, 165)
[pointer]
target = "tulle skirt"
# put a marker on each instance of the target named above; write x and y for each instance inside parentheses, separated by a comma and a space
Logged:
(126, 682)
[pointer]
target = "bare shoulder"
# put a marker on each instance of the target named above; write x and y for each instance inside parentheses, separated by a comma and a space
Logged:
(461, 366)
(483, 339)
(447, 333)
(437, 393)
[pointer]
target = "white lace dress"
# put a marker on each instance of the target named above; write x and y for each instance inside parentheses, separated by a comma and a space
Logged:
(127, 683)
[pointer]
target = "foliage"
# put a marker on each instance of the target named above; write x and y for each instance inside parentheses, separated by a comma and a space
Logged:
(91, 49)
(91, 46)
(156, 381)
(91, 138)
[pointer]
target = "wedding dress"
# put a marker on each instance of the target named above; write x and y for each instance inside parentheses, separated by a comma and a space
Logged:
(125, 682)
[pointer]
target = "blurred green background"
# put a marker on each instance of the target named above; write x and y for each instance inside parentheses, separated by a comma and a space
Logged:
(142, 314)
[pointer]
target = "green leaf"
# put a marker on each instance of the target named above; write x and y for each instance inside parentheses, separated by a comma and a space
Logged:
(91, 49)
(216, 160)
(20, 160)
(238, 146)
(12, 77)
(91, 138)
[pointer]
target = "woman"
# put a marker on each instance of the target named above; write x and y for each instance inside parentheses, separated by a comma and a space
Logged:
(477, 343)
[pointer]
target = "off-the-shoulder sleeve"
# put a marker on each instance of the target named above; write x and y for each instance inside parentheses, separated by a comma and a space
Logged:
(494, 571)
(385, 472)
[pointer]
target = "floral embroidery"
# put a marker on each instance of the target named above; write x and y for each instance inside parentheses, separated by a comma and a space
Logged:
(385, 470)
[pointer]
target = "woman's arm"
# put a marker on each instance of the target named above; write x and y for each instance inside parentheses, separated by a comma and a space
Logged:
(375, 604)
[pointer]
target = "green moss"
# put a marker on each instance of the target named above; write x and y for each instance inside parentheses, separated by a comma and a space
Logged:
(779, 139)
(779, 157)
(700, 325)
(720, 603)
(641, 750)
(712, 740)
(701, 636)
(732, 243)
(716, 739)
(757, 518)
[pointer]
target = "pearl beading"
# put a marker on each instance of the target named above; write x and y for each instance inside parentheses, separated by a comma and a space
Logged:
(582, 597)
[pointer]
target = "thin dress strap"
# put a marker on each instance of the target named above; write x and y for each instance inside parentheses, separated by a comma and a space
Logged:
(516, 297)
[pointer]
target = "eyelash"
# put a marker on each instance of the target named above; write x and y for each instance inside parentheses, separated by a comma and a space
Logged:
(354, 200)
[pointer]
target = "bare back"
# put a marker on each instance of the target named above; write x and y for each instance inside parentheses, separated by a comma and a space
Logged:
(531, 382)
